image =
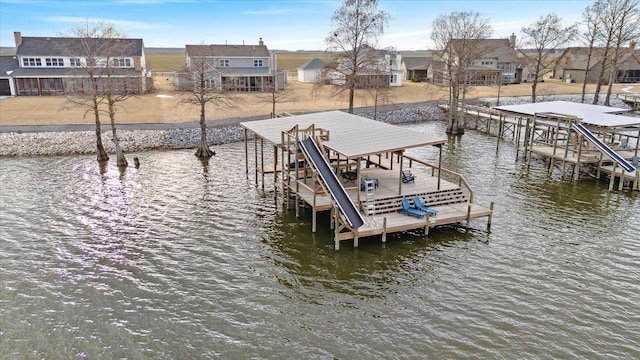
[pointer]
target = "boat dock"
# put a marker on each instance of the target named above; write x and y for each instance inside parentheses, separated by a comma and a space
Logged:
(568, 134)
(357, 169)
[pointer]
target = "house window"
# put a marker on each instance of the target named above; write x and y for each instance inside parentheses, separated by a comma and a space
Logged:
(223, 62)
(31, 62)
(393, 79)
(122, 62)
(75, 62)
(257, 62)
(54, 61)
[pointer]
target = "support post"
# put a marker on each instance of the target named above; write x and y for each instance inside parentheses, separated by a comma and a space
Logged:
(439, 164)
(246, 153)
(426, 227)
(255, 156)
(621, 182)
(612, 179)
(262, 161)
(490, 217)
(468, 216)
(336, 230)
(576, 169)
(384, 229)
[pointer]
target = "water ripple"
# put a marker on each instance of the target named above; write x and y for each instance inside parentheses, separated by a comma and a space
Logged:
(188, 259)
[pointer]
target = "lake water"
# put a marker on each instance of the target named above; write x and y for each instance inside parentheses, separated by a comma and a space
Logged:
(181, 259)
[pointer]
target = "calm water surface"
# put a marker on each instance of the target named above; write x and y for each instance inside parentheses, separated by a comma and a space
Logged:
(182, 259)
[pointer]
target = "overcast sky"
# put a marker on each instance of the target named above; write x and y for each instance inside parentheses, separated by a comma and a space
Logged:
(288, 25)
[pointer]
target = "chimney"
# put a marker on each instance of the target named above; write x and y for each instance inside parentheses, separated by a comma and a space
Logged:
(512, 40)
(18, 36)
(260, 42)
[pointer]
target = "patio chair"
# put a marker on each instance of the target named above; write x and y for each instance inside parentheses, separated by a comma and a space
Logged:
(407, 177)
(417, 202)
(407, 209)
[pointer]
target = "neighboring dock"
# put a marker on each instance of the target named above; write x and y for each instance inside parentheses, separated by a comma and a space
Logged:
(568, 134)
(354, 158)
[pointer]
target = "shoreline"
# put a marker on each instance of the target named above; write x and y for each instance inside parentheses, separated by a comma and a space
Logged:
(147, 137)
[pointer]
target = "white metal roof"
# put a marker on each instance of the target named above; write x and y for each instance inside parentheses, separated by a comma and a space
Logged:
(350, 135)
(595, 115)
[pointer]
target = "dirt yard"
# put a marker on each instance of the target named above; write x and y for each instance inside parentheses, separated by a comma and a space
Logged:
(165, 106)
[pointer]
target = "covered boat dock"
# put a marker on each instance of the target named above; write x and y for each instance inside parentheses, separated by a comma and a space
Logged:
(368, 159)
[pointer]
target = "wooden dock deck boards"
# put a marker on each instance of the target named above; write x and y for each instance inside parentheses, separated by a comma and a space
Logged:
(389, 181)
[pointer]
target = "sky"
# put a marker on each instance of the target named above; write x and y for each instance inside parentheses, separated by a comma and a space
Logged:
(283, 25)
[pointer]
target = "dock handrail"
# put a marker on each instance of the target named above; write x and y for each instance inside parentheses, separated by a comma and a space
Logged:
(461, 180)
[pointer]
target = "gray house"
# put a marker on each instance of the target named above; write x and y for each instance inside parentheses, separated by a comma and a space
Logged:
(494, 61)
(243, 68)
(54, 65)
(574, 64)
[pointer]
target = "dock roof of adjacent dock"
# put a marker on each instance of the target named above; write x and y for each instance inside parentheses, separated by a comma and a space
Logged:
(350, 135)
(596, 115)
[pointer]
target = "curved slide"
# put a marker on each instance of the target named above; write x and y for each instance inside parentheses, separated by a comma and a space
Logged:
(604, 147)
(338, 193)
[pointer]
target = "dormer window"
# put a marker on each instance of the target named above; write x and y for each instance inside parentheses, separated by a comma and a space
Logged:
(75, 62)
(54, 62)
(31, 62)
(257, 62)
(122, 62)
(223, 63)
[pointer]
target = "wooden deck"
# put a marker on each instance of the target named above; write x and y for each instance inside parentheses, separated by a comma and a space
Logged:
(451, 202)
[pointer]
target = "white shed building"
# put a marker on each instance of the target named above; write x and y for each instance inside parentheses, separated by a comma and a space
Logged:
(310, 71)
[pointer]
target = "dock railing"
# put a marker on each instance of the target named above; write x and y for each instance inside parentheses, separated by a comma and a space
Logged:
(462, 182)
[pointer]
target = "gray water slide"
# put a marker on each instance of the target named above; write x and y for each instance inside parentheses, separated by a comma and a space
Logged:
(627, 166)
(337, 191)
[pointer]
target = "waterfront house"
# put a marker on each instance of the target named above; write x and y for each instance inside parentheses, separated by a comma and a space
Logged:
(378, 68)
(574, 64)
(242, 68)
(490, 61)
(56, 65)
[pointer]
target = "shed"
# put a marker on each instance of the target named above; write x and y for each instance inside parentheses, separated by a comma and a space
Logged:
(310, 71)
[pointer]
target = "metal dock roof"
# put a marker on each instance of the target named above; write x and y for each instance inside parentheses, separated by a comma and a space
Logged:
(349, 135)
(596, 115)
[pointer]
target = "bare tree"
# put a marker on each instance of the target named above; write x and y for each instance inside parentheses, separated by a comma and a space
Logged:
(98, 55)
(589, 37)
(276, 92)
(546, 35)
(355, 27)
(625, 17)
(202, 84)
(457, 36)
(381, 94)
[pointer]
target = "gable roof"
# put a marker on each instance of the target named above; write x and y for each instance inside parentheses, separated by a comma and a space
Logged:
(576, 58)
(228, 50)
(313, 64)
(492, 48)
(417, 62)
(63, 46)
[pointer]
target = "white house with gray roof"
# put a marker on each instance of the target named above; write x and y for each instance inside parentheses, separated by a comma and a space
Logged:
(57, 65)
(243, 68)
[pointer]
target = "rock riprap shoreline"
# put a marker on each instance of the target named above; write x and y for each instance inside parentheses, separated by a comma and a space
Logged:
(83, 142)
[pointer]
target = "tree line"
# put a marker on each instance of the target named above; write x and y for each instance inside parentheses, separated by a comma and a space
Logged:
(356, 27)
